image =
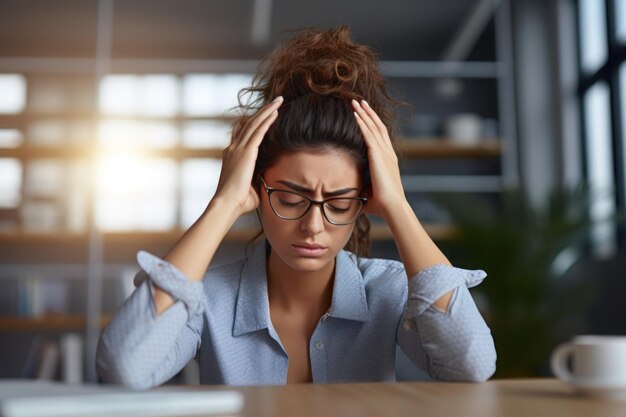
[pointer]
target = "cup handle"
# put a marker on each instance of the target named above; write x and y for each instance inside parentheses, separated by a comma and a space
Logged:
(558, 361)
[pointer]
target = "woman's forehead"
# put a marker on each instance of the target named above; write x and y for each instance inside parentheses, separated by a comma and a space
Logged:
(331, 169)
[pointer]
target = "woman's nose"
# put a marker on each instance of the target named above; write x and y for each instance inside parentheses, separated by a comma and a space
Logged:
(313, 221)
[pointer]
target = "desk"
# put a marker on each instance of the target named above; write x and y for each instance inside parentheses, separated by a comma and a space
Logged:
(509, 398)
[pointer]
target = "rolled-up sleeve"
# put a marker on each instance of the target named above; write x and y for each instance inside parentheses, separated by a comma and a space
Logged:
(142, 349)
(455, 345)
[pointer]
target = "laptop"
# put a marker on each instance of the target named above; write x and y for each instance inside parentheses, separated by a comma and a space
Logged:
(27, 398)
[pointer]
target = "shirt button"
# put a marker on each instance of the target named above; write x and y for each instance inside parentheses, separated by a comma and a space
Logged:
(319, 345)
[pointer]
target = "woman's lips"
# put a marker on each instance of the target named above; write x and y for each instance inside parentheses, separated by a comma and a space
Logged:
(309, 251)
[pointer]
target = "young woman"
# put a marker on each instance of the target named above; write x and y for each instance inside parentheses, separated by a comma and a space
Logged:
(306, 305)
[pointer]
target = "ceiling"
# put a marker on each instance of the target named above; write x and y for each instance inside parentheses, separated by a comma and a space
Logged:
(213, 29)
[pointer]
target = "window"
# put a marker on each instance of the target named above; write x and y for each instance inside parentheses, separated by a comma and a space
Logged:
(12, 93)
(593, 37)
(145, 140)
(602, 93)
(10, 182)
(620, 20)
(600, 164)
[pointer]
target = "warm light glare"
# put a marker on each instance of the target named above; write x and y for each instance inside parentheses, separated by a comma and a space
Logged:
(11, 138)
(135, 193)
(130, 134)
(212, 94)
(12, 93)
(149, 95)
(10, 182)
(206, 134)
(45, 178)
(199, 178)
(47, 132)
(119, 94)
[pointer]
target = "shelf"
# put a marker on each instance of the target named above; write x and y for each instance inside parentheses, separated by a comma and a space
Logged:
(61, 323)
(447, 148)
(6, 120)
(378, 232)
(409, 148)
(86, 152)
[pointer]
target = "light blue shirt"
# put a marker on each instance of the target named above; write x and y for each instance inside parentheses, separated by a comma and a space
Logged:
(224, 322)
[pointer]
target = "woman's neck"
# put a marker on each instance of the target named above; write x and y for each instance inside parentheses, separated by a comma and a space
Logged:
(292, 291)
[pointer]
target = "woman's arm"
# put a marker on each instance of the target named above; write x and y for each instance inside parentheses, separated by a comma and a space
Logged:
(152, 337)
(441, 328)
(416, 248)
(194, 251)
(234, 196)
(388, 200)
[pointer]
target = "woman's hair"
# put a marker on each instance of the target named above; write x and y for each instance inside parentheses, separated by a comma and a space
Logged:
(318, 73)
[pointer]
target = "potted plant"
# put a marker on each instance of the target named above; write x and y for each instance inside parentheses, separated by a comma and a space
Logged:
(528, 299)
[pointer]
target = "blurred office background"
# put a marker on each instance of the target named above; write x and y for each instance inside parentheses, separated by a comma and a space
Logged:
(113, 115)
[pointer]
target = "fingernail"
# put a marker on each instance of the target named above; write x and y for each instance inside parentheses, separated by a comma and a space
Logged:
(365, 103)
(277, 99)
(355, 102)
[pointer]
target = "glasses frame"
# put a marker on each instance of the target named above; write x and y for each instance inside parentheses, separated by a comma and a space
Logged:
(270, 190)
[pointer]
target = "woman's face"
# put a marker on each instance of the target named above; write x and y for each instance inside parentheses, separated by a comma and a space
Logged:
(315, 175)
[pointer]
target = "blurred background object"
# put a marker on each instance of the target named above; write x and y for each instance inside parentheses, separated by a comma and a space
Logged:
(114, 114)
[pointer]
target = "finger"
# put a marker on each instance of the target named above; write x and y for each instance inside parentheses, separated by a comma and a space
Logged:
(367, 134)
(367, 120)
(259, 133)
(374, 116)
(237, 129)
(259, 118)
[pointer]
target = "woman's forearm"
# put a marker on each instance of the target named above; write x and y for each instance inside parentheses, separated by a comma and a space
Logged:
(416, 248)
(193, 252)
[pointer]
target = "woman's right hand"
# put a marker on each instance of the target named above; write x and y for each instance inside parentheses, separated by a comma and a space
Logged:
(239, 158)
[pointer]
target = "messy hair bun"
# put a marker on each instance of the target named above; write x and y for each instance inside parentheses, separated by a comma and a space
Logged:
(318, 73)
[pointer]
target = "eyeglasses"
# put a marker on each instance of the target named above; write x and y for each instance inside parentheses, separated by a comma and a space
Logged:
(290, 205)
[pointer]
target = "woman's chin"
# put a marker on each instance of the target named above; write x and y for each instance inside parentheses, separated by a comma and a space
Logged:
(304, 264)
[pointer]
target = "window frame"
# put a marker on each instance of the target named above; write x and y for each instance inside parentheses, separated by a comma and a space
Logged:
(609, 72)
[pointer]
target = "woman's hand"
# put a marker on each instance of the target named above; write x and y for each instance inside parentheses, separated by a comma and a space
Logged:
(239, 158)
(387, 190)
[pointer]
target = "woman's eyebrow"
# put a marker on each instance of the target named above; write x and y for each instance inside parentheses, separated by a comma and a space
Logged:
(302, 189)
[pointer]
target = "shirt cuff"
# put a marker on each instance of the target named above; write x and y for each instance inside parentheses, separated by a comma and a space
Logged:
(171, 280)
(430, 284)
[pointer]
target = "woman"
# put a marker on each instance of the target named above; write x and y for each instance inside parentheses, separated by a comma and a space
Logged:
(306, 305)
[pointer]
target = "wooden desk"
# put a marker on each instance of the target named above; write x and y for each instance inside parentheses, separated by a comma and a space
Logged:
(507, 398)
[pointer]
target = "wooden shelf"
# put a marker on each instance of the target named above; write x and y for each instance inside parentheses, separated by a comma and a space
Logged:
(87, 152)
(61, 323)
(29, 116)
(447, 148)
(378, 232)
(409, 148)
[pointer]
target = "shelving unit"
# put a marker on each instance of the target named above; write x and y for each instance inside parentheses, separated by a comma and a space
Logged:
(97, 243)
(56, 323)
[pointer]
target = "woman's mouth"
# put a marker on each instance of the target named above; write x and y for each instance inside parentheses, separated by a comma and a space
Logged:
(306, 250)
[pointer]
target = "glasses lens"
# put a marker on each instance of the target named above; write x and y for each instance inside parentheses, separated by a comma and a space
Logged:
(293, 206)
(342, 210)
(288, 205)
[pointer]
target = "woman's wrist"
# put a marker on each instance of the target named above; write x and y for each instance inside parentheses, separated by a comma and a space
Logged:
(221, 206)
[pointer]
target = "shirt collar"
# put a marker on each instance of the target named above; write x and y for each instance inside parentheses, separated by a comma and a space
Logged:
(252, 312)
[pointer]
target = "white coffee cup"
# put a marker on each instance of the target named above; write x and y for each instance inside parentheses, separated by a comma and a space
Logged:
(464, 128)
(598, 365)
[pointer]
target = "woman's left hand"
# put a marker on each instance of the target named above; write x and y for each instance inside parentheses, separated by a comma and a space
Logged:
(387, 190)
